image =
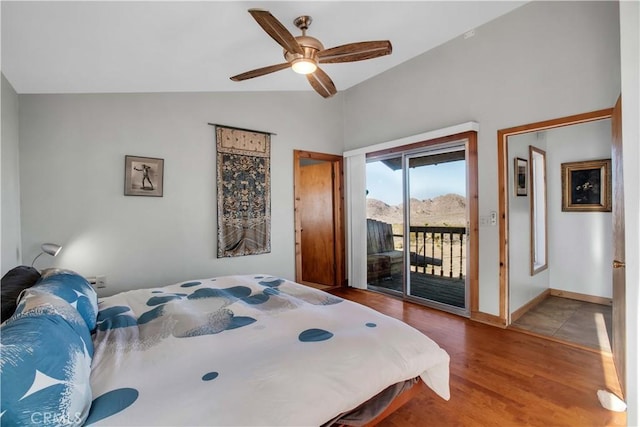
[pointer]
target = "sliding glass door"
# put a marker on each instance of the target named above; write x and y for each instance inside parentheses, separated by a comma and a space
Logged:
(437, 223)
(417, 218)
(385, 225)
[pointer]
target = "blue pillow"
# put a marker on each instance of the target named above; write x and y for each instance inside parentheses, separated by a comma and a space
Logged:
(34, 303)
(46, 364)
(74, 289)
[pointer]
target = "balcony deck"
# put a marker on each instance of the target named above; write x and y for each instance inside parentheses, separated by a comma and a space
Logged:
(445, 290)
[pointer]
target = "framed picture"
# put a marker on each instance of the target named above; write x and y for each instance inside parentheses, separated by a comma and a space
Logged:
(520, 175)
(586, 186)
(143, 176)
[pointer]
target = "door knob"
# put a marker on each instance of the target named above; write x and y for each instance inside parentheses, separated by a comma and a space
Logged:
(618, 264)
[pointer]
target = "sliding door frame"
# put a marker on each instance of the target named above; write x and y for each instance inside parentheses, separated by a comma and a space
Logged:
(471, 141)
(440, 148)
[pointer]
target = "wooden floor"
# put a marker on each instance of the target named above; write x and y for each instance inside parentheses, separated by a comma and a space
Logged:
(501, 377)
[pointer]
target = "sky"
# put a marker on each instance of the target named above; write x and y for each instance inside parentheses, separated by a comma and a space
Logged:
(426, 182)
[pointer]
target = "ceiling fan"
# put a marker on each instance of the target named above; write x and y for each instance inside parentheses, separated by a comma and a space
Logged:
(304, 53)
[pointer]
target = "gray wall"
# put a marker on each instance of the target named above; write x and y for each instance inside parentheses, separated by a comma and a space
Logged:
(11, 245)
(541, 61)
(72, 150)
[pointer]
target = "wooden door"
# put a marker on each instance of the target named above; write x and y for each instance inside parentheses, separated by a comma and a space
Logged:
(317, 223)
(619, 293)
(318, 209)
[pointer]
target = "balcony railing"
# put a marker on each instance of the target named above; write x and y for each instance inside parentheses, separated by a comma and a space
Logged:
(439, 251)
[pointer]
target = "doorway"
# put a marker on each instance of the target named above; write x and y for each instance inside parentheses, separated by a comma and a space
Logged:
(420, 253)
(319, 223)
(596, 254)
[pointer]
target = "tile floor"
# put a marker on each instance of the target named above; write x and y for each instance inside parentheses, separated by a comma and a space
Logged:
(582, 323)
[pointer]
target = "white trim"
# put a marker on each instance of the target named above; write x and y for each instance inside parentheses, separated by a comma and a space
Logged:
(426, 136)
(357, 229)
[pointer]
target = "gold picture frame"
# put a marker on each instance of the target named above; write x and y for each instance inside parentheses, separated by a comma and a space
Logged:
(586, 186)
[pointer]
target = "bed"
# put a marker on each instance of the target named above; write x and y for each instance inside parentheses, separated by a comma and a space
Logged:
(235, 350)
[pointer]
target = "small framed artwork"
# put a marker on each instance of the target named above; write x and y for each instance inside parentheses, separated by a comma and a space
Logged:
(143, 176)
(521, 175)
(586, 186)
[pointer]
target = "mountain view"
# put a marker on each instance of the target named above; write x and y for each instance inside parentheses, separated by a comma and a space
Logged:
(449, 209)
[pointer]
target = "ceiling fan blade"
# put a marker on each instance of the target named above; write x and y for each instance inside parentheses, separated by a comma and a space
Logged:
(260, 72)
(322, 83)
(355, 52)
(276, 30)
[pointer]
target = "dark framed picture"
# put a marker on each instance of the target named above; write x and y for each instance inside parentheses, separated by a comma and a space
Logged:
(586, 186)
(521, 175)
(143, 176)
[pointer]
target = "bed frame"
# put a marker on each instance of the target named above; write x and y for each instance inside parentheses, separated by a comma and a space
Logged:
(399, 401)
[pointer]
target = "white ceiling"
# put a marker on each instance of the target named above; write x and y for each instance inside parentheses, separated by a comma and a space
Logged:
(168, 46)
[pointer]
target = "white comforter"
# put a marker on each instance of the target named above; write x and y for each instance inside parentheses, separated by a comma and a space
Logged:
(248, 350)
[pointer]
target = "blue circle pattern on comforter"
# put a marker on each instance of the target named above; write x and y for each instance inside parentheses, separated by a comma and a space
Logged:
(121, 329)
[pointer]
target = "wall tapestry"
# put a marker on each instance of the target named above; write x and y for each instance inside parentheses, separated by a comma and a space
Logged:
(244, 191)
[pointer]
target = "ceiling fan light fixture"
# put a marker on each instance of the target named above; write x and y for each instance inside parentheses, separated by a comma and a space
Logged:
(304, 66)
(303, 53)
